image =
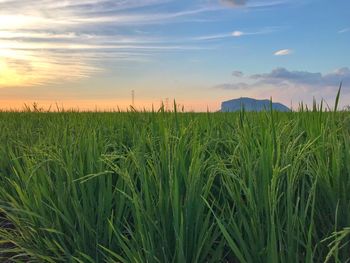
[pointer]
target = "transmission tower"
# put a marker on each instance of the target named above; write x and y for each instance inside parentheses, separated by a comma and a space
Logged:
(133, 98)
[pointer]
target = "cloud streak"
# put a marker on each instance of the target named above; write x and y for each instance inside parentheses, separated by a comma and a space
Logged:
(36, 36)
(237, 34)
(252, 4)
(89, 29)
(27, 68)
(283, 52)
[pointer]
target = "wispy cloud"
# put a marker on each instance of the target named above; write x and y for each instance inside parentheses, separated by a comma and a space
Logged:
(344, 30)
(89, 29)
(237, 33)
(140, 19)
(283, 52)
(272, 3)
(263, 31)
(71, 20)
(213, 37)
(27, 68)
(252, 4)
(81, 6)
(233, 86)
(237, 73)
(37, 35)
(234, 3)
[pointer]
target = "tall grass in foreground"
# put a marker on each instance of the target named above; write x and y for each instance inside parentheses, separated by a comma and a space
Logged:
(175, 187)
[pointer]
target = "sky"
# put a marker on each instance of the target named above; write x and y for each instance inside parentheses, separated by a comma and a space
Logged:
(91, 54)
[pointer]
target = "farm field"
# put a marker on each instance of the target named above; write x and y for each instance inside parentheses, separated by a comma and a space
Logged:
(175, 187)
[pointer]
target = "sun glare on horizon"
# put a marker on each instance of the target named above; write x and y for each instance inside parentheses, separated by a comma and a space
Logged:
(200, 50)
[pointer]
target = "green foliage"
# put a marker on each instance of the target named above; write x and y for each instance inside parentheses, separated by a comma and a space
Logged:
(175, 187)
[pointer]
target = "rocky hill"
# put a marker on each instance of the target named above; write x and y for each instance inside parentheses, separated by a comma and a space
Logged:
(250, 104)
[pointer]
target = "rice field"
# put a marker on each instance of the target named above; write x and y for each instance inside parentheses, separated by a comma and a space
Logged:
(164, 187)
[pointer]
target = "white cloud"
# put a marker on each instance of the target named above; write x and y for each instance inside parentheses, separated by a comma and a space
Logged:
(283, 52)
(237, 33)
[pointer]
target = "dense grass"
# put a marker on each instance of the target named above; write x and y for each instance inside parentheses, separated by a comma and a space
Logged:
(175, 187)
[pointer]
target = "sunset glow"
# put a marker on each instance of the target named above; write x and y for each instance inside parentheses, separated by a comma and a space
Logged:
(199, 52)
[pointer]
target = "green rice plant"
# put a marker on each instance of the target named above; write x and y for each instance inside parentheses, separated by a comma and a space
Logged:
(167, 186)
(339, 241)
(268, 196)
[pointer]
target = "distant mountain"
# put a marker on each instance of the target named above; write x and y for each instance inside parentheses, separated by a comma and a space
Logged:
(251, 105)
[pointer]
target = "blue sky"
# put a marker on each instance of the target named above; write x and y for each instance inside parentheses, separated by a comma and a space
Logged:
(89, 53)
